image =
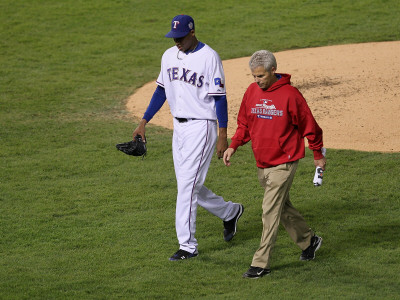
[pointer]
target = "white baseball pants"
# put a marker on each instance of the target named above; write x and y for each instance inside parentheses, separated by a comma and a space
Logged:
(193, 146)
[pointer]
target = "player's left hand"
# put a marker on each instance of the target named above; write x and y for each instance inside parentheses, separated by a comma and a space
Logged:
(222, 143)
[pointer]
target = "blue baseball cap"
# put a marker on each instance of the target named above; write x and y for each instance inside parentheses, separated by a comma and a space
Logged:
(181, 25)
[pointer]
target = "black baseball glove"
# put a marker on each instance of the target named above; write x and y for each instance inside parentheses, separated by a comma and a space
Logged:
(135, 147)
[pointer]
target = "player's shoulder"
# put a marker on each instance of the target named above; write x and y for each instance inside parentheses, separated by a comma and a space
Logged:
(209, 52)
(170, 51)
(208, 48)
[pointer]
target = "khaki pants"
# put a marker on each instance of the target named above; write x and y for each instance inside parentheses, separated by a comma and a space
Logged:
(277, 208)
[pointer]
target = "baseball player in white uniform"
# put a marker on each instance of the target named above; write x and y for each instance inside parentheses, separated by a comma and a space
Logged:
(192, 80)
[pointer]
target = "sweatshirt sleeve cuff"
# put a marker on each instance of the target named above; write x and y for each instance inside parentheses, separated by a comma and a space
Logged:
(318, 154)
(235, 144)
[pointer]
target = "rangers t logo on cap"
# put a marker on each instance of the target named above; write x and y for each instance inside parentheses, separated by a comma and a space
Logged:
(181, 25)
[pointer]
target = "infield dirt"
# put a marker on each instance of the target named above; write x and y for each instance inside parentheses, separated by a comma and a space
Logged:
(353, 91)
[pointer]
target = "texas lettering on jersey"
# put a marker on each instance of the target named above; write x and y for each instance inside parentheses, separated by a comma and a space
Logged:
(185, 75)
(266, 110)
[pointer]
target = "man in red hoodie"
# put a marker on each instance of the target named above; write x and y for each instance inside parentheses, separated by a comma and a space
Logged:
(276, 118)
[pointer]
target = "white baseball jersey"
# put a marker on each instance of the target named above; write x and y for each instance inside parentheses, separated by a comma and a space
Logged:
(190, 82)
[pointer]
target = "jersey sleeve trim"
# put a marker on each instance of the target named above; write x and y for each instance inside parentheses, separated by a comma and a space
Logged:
(216, 94)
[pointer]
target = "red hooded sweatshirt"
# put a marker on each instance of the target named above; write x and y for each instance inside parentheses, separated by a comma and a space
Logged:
(277, 120)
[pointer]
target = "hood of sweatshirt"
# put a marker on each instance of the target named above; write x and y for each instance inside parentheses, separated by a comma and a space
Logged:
(283, 79)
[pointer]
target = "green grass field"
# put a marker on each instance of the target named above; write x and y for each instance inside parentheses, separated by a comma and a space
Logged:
(80, 220)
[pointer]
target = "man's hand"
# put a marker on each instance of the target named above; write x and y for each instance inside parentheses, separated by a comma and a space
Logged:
(320, 163)
(140, 130)
(222, 143)
(227, 156)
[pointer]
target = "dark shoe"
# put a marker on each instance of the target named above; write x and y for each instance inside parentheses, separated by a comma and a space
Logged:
(255, 272)
(182, 254)
(230, 226)
(309, 253)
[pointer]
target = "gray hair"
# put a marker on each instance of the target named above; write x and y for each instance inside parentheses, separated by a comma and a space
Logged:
(263, 58)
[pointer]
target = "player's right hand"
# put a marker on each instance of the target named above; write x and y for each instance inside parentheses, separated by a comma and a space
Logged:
(140, 130)
(227, 156)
